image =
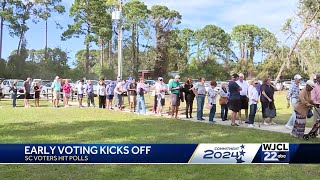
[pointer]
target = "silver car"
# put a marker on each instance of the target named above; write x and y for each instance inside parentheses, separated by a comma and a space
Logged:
(7, 84)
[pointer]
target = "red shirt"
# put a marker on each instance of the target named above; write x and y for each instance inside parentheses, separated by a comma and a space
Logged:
(66, 88)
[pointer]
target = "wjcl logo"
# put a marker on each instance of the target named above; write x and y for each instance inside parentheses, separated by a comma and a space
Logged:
(275, 152)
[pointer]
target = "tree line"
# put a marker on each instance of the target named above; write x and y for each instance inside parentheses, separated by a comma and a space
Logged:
(154, 41)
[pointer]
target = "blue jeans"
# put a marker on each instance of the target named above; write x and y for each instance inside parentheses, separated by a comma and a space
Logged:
(200, 104)
(224, 111)
(292, 118)
(253, 110)
(14, 99)
(212, 112)
(141, 104)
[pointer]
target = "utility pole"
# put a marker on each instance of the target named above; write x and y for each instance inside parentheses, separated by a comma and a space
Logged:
(116, 15)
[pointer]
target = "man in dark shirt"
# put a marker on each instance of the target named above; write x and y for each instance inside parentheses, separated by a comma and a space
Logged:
(26, 88)
(133, 95)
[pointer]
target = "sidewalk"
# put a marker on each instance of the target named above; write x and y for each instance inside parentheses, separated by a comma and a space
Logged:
(274, 128)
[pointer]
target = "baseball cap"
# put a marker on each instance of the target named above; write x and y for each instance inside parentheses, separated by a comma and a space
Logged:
(177, 77)
(297, 76)
(310, 83)
(235, 75)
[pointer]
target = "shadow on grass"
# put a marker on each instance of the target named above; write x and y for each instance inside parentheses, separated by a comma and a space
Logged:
(139, 130)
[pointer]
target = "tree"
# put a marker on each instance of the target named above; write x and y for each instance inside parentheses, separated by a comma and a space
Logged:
(16, 62)
(54, 64)
(308, 18)
(163, 20)
(86, 16)
(250, 39)
(135, 14)
(6, 14)
(44, 11)
(213, 40)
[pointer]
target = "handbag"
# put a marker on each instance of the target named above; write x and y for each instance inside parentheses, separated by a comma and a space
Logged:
(271, 113)
(310, 114)
(208, 106)
(223, 101)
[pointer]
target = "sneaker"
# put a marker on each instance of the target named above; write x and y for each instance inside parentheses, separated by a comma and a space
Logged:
(288, 127)
(266, 124)
(250, 126)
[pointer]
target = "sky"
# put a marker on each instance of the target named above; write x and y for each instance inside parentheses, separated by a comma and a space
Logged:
(270, 14)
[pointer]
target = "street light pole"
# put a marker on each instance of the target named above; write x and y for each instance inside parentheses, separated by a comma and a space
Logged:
(120, 42)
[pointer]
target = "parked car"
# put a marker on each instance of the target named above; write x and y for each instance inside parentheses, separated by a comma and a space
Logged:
(7, 83)
(46, 88)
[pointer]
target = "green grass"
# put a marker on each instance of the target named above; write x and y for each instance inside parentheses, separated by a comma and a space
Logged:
(88, 125)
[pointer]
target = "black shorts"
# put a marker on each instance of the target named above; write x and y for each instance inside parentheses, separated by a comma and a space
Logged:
(109, 97)
(27, 96)
(1, 95)
(244, 102)
(234, 105)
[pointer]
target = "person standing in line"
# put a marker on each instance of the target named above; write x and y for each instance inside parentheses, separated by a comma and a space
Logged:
(293, 95)
(267, 100)
(1, 93)
(200, 92)
(212, 100)
(244, 100)
(141, 90)
(36, 90)
(80, 91)
(66, 93)
(118, 93)
(174, 87)
(169, 111)
(102, 94)
(224, 96)
(315, 96)
(56, 86)
(302, 108)
(110, 93)
(14, 95)
(253, 101)
(189, 97)
(234, 98)
(26, 89)
(133, 95)
(90, 93)
(161, 90)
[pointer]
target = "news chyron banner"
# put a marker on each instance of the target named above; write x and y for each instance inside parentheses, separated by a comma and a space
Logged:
(277, 153)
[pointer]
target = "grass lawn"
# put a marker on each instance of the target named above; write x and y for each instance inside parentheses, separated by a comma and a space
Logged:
(89, 125)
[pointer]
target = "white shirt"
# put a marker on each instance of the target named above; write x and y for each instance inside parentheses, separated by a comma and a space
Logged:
(118, 88)
(101, 90)
(244, 86)
(80, 88)
(253, 95)
(161, 89)
(212, 96)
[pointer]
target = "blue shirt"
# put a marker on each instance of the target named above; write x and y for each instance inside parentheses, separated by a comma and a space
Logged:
(293, 91)
(110, 88)
(234, 90)
(56, 86)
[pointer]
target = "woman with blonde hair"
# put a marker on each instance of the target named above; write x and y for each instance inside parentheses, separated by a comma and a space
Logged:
(223, 101)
